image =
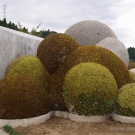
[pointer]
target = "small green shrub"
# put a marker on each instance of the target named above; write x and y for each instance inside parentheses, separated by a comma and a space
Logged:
(125, 104)
(131, 65)
(89, 89)
(10, 130)
(132, 76)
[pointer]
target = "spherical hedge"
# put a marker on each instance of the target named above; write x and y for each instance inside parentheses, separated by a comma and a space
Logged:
(54, 49)
(116, 47)
(87, 54)
(89, 89)
(89, 32)
(131, 65)
(31, 66)
(125, 104)
(22, 97)
(132, 76)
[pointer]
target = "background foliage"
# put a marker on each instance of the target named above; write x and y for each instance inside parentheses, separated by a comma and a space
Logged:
(18, 27)
(131, 51)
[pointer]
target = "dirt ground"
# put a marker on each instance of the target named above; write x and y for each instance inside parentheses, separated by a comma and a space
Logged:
(61, 126)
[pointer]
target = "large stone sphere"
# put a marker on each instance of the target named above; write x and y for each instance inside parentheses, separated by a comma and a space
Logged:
(88, 89)
(116, 47)
(53, 50)
(89, 32)
(125, 104)
(22, 97)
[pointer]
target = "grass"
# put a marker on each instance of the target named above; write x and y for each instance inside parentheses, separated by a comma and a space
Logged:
(10, 130)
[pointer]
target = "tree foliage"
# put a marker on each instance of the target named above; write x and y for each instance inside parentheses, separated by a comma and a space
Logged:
(18, 27)
(131, 51)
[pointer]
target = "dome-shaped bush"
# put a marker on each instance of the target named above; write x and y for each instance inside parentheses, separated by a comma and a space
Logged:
(87, 54)
(89, 32)
(125, 104)
(116, 47)
(89, 89)
(31, 66)
(131, 65)
(132, 76)
(22, 97)
(54, 49)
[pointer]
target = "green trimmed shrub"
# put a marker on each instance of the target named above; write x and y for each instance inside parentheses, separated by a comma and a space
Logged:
(125, 104)
(86, 54)
(53, 50)
(89, 89)
(22, 97)
(31, 66)
(132, 76)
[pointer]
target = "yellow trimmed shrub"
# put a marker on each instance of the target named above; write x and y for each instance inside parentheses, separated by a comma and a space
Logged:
(53, 50)
(125, 104)
(31, 66)
(89, 89)
(131, 65)
(22, 97)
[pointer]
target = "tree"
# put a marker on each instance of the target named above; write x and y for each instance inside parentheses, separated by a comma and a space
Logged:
(10, 25)
(4, 23)
(25, 30)
(0, 22)
(35, 33)
(42, 33)
(131, 52)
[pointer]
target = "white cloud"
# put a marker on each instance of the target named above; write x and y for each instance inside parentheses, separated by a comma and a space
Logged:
(124, 24)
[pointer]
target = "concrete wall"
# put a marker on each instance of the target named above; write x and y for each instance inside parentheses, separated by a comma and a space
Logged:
(43, 118)
(14, 44)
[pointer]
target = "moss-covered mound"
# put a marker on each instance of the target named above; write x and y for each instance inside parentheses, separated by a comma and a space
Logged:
(87, 54)
(125, 104)
(54, 49)
(22, 97)
(131, 65)
(89, 89)
(31, 66)
(132, 76)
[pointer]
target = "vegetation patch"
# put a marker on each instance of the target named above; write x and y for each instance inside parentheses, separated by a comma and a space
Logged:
(10, 130)
(131, 52)
(131, 65)
(132, 76)
(125, 104)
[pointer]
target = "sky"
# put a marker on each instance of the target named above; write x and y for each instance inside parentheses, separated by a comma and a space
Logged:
(59, 15)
